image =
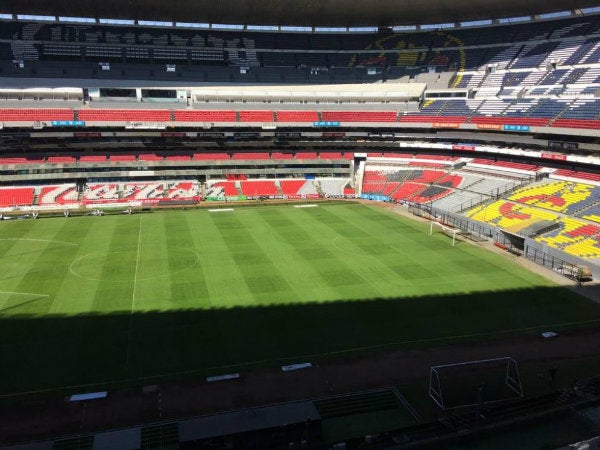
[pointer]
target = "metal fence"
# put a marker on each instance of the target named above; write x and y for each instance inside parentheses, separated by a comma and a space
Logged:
(537, 252)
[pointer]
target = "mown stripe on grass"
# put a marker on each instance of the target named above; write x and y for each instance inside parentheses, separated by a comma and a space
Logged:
(306, 255)
(260, 272)
(223, 276)
(114, 282)
(188, 289)
(47, 257)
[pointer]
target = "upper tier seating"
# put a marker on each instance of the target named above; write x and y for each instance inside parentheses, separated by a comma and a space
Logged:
(35, 115)
(177, 157)
(576, 123)
(359, 116)
(205, 116)
(306, 155)
(297, 116)
(330, 155)
(20, 160)
(507, 165)
(280, 155)
(122, 158)
(124, 115)
(256, 116)
(92, 158)
(210, 156)
(60, 159)
(149, 157)
(424, 118)
(579, 175)
(251, 156)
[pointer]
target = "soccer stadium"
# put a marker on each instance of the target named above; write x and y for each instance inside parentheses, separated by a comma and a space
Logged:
(286, 225)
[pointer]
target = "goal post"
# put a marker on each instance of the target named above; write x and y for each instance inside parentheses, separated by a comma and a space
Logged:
(440, 227)
(455, 386)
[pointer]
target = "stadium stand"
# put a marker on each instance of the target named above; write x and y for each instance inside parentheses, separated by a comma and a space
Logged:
(251, 156)
(219, 189)
(14, 196)
(359, 116)
(210, 156)
(255, 188)
(297, 116)
(526, 95)
(205, 116)
(149, 157)
(61, 195)
(35, 115)
(124, 115)
(60, 159)
(92, 158)
(256, 116)
(183, 190)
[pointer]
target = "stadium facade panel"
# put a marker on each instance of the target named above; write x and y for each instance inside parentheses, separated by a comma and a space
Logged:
(304, 13)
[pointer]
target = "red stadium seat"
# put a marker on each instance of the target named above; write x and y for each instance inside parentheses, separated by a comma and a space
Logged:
(250, 156)
(205, 116)
(359, 116)
(256, 116)
(124, 115)
(297, 116)
(210, 156)
(35, 115)
(16, 196)
(255, 188)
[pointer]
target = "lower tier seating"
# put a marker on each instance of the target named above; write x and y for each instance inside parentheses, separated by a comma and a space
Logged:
(259, 188)
(16, 196)
(65, 194)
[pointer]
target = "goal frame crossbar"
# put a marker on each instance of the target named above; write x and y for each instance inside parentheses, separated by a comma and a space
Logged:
(512, 380)
(453, 232)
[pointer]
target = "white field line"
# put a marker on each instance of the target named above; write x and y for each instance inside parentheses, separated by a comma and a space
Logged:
(33, 294)
(314, 355)
(312, 205)
(170, 274)
(39, 240)
(221, 210)
(137, 264)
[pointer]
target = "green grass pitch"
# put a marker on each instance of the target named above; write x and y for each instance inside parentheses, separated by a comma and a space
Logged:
(133, 299)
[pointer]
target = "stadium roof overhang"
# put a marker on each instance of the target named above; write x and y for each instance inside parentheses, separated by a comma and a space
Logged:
(340, 13)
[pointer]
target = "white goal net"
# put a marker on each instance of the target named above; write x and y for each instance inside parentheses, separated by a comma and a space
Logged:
(437, 227)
